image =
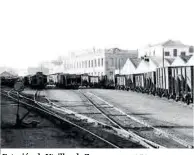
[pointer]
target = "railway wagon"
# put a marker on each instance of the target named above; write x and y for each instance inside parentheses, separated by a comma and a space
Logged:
(27, 80)
(130, 82)
(176, 83)
(150, 82)
(38, 81)
(120, 82)
(145, 82)
(107, 83)
(8, 81)
(84, 80)
(71, 81)
(53, 79)
(94, 81)
(139, 82)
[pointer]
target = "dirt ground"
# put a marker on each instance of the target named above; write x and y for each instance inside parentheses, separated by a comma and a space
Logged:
(45, 135)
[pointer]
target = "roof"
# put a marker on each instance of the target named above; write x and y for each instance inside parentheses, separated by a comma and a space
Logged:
(7, 74)
(170, 60)
(135, 61)
(156, 60)
(185, 58)
(170, 43)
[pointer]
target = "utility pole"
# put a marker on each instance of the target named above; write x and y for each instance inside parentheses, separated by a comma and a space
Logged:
(163, 57)
(119, 67)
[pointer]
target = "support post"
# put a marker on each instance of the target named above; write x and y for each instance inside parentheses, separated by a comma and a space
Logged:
(17, 115)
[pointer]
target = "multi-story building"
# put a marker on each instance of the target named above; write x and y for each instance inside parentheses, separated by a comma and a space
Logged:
(168, 49)
(98, 62)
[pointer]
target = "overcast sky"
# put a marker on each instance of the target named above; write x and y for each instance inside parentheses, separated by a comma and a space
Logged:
(37, 30)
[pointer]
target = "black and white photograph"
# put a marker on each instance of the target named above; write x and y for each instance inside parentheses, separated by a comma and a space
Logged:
(96, 74)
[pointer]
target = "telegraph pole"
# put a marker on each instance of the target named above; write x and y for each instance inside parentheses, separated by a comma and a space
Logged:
(163, 56)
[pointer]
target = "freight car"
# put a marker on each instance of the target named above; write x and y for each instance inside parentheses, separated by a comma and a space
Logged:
(120, 82)
(94, 81)
(176, 83)
(8, 81)
(38, 81)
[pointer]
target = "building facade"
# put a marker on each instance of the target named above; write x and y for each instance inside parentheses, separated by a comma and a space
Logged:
(98, 62)
(168, 49)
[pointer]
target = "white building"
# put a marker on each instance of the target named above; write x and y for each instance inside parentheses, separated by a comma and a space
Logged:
(98, 62)
(170, 49)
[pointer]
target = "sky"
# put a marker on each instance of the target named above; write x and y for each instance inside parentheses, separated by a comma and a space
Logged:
(40, 30)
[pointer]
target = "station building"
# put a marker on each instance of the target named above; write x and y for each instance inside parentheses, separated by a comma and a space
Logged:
(98, 62)
(168, 49)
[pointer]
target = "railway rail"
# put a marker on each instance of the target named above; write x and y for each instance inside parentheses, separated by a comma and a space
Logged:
(13, 95)
(115, 125)
(156, 135)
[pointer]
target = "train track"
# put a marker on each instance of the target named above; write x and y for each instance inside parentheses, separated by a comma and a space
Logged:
(147, 143)
(37, 106)
(156, 134)
(116, 126)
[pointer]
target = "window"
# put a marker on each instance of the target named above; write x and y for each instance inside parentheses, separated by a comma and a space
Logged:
(115, 62)
(167, 53)
(86, 64)
(174, 52)
(111, 61)
(92, 64)
(191, 49)
(98, 62)
(95, 63)
(89, 63)
(102, 62)
(122, 61)
(183, 53)
(154, 53)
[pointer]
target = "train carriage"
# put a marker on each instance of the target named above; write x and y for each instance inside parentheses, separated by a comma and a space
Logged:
(84, 80)
(175, 82)
(130, 82)
(38, 81)
(139, 82)
(120, 82)
(94, 81)
(150, 82)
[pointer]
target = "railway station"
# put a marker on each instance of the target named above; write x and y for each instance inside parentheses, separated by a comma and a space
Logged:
(110, 98)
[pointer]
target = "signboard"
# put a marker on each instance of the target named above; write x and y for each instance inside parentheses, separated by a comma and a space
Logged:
(19, 86)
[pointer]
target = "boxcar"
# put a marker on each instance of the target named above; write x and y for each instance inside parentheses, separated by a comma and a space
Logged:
(130, 82)
(84, 80)
(175, 82)
(150, 82)
(139, 82)
(94, 81)
(120, 82)
(38, 81)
